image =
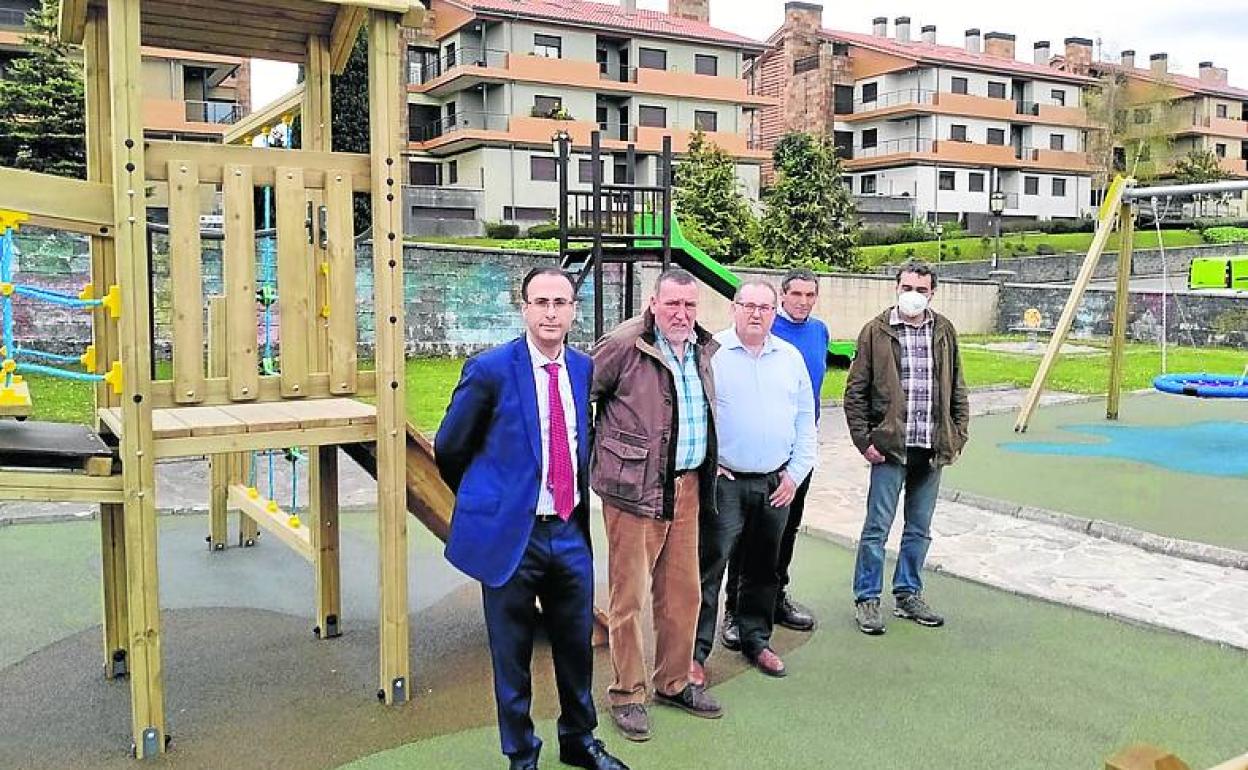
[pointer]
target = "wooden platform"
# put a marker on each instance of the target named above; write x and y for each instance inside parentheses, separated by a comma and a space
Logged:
(195, 430)
(56, 462)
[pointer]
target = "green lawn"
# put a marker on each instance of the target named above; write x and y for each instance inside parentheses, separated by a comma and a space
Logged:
(527, 244)
(972, 248)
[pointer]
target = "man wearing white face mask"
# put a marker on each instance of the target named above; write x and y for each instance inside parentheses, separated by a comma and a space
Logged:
(907, 410)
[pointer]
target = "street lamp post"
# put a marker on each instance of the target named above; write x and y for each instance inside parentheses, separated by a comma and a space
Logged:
(996, 205)
(562, 142)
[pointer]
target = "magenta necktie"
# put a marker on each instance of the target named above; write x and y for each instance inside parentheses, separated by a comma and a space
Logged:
(559, 463)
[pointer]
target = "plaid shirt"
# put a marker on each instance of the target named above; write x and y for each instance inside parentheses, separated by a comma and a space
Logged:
(691, 430)
(916, 377)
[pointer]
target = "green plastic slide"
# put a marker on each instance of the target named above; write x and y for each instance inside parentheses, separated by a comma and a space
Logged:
(1219, 273)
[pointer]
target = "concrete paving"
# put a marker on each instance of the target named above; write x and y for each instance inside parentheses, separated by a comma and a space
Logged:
(1034, 558)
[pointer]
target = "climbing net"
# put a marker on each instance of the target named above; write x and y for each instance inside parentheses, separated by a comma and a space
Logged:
(19, 360)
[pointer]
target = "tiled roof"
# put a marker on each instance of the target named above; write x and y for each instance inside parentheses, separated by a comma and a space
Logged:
(1185, 82)
(612, 16)
(952, 55)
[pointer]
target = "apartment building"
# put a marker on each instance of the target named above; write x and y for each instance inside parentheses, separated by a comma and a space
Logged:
(490, 82)
(928, 130)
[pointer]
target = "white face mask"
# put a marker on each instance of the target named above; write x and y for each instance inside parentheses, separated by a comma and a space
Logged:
(911, 303)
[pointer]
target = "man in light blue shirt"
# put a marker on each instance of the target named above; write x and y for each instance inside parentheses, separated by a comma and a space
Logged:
(765, 424)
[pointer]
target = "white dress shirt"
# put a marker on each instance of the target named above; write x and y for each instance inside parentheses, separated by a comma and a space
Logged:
(541, 381)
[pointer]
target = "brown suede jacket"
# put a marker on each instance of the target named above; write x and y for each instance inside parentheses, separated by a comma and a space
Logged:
(875, 404)
(634, 453)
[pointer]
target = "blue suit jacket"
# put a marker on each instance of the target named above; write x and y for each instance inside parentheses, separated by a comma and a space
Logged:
(489, 451)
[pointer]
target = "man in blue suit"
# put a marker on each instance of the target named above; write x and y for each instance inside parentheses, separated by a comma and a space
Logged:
(514, 446)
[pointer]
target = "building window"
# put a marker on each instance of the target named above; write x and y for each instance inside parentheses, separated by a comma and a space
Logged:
(426, 174)
(1059, 97)
(1031, 185)
(1057, 142)
(543, 168)
(652, 58)
(652, 117)
(957, 132)
(959, 85)
(1059, 188)
(706, 120)
(585, 172)
(450, 116)
(705, 64)
(528, 213)
(866, 184)
(450, 55)
(548, 46)
(1219, 150)
(996, 90)
(976, 181)
(452, 172)
(947, 181)
(869, 138)
(996, 136)
(869, 92)
(1220, 110)
(1143, 115)
(546, 106)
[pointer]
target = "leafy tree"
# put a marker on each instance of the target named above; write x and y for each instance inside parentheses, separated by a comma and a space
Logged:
(42, 121)
(1136, 121)
(809, 217)
(1197, 167)
(710, 204)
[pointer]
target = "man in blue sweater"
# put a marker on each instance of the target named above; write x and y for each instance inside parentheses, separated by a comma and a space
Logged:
(799, 291)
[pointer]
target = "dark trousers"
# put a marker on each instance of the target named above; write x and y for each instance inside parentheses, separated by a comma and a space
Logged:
(787, 543)
(744, 514)
(556, 568)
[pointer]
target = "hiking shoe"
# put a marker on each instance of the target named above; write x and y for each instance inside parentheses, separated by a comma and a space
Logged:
(730, 632)
(912, 607)
(867, 613)
(632, 721)
(695, 700)
(792, 615)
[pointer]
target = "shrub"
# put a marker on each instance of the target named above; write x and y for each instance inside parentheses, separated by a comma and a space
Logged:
(910, 253)
(1225, 235)
(544, 230)
(957, 250)
(1204, 223)
(502, 231)
(1043, 249)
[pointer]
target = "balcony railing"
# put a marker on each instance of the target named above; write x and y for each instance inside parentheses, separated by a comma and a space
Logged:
(617, 73)
(460, 121)
(1030, 154)
(896, 99)
(421, 71)
(11, 17)
(221, 113)
(892, 147)
(1022, 107)
(622, 132)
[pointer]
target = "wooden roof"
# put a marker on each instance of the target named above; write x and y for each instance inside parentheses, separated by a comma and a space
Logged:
(262, 29)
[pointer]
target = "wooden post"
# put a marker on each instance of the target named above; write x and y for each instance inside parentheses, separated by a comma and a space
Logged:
(1122, 301)
(218, 465)
(1067, 318)
(384, 130)
(116, 619)
(147, 697)
(317, 122)
(323, 524)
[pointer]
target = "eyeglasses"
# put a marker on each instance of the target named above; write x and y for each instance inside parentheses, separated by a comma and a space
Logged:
(752, 308)
(543, 303)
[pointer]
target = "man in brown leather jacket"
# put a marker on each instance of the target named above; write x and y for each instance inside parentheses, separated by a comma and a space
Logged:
(653, 465)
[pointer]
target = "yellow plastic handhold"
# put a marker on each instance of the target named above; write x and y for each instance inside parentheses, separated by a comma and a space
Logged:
(10, 397)
(18, 378)
(252, 493)
(112, 301)
(271, 506)
(9, 366)
(12, 219)
(88, 291)
(293, 521)
(6, 289)
(88, 359)
(113, 377)
(325, 268)
(324, 311)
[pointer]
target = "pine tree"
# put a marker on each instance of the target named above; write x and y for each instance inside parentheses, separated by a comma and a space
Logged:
(42, 123)
(710, 204)
(809, 217)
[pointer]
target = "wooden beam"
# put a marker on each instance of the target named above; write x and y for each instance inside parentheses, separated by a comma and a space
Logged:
(346, 29)
(276, 522)
(186, 282)
(323, 515)
(1103, 230)
(264, 162)
(72, 21)
(340, 305)
(248, 442)
(293, 289)
(240, 283)
(60, 487)
(385, 101)
(58, 202)
(289, 104)
(216, 389)
(219, 478)
(147, 696)
(318, 136)
(116, 622)
(1122, 301)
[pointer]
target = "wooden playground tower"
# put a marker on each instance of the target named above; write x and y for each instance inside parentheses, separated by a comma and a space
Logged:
(224, 407)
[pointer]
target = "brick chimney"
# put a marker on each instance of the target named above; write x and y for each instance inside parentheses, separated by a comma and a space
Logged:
(808, 95)
(879, 26)
(1078, 55)
(901, 26)
(973, 41)
(1042, 52)
(628, 6)
(1127, 59)
(694, 10)
(929, 34)
(1159, 63)
(1211, 75)
(999, 44)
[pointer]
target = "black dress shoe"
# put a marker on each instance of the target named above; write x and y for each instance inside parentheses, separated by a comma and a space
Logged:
(730, 632)
(523, 764)
(591, 757)
(792, 615)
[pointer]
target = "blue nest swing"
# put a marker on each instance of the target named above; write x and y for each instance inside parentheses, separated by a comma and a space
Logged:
(1203, 385)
